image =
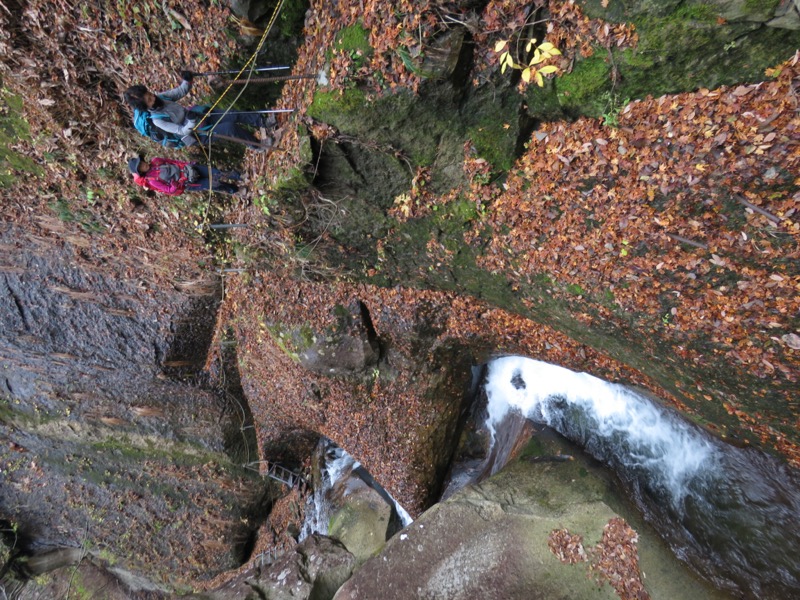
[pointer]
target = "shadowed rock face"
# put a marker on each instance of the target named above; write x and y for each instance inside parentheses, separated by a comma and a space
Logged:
(100, 448)
(314, 571)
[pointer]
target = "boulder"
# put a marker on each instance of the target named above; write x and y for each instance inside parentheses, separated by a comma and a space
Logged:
(362, 523)
(490, 541)
(314, 571)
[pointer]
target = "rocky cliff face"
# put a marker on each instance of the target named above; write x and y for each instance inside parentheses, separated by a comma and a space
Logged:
(109, 447)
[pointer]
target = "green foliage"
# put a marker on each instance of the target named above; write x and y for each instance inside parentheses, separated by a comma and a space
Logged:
(614, 106)
(12, 129)
(575, 289)
(87, 221)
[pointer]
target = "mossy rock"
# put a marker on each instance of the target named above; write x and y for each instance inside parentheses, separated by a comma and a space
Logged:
(682, 46)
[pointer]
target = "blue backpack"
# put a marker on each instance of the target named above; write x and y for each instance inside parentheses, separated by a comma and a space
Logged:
(143, 122)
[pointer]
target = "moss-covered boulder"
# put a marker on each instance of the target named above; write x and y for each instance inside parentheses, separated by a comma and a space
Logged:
(682, 46)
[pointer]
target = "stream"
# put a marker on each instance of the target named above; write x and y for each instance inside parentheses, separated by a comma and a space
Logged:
(731, 513)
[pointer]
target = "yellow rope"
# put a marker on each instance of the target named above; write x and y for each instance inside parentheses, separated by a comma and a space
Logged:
(251, 63)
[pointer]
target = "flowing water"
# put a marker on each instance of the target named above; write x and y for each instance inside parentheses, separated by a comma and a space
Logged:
(336, 465)
(732, 514)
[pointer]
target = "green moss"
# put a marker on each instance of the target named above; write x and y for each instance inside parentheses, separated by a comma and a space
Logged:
(292, 17)
(688, 49)
(14, 128)
(495, 143)
(542, 102)
(765, 8)
(493, 127)
(581, 90)
(354, 40)
(331, 106)
(701, 12)
(534, 447)
(292, 342)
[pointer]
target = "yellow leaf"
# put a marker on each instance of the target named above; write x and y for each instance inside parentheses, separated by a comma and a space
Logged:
(548, 69)
(500, 45)
(503, 68)
(530, 45)
(539, 79)
(509, 60)
(546, 47)
(526, 75)
(555, 52)
(537, 58)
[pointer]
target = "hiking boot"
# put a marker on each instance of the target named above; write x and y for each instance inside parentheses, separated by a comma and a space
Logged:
(265, 138)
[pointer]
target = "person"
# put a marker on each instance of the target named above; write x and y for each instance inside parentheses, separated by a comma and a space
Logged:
(174, 177)
(182, 122)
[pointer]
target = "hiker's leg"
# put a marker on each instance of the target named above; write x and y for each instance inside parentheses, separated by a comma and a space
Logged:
(204, 182)
(207, 172)
(225, 188)
(231, 129)
(220, 116)
(215, 185)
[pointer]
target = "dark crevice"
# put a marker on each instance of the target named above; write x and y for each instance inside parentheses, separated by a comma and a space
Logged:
(347, 154)
(19, 306)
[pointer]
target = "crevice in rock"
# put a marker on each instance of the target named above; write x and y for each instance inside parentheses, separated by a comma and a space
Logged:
(19, 305)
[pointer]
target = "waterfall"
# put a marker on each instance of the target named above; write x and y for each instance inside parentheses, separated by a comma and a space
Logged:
(731, 513)
(337, 465)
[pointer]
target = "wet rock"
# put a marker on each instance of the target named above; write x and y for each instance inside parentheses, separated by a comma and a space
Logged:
(362, 523)
(101, 448)
(351, 347)
(490, 542)
(314, 571)
(251, 10)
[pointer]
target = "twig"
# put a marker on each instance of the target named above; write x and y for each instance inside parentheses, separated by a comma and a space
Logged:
(684, 240)
(757, 209)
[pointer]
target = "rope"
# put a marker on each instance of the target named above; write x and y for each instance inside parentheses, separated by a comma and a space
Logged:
(250, 63)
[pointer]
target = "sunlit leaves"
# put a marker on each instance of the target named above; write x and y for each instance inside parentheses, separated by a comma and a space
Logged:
(541, 53)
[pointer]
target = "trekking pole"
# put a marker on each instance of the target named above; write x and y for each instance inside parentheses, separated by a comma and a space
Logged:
(256, 70)
(261, 112)
(224, 82)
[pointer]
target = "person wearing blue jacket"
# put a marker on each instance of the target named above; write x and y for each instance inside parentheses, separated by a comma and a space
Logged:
(172, 117)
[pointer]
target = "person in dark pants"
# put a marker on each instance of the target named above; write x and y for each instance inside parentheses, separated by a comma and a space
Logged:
(174, 177)
(170, 116)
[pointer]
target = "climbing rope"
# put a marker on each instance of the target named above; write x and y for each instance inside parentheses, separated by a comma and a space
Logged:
(252, 66)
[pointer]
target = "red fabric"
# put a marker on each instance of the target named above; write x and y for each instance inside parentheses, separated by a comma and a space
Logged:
(151, 181)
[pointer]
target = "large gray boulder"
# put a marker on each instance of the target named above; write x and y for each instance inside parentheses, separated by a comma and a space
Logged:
(491, 542)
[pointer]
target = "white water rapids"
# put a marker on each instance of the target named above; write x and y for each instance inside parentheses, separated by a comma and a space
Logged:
(731, 513)
(612, 422)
